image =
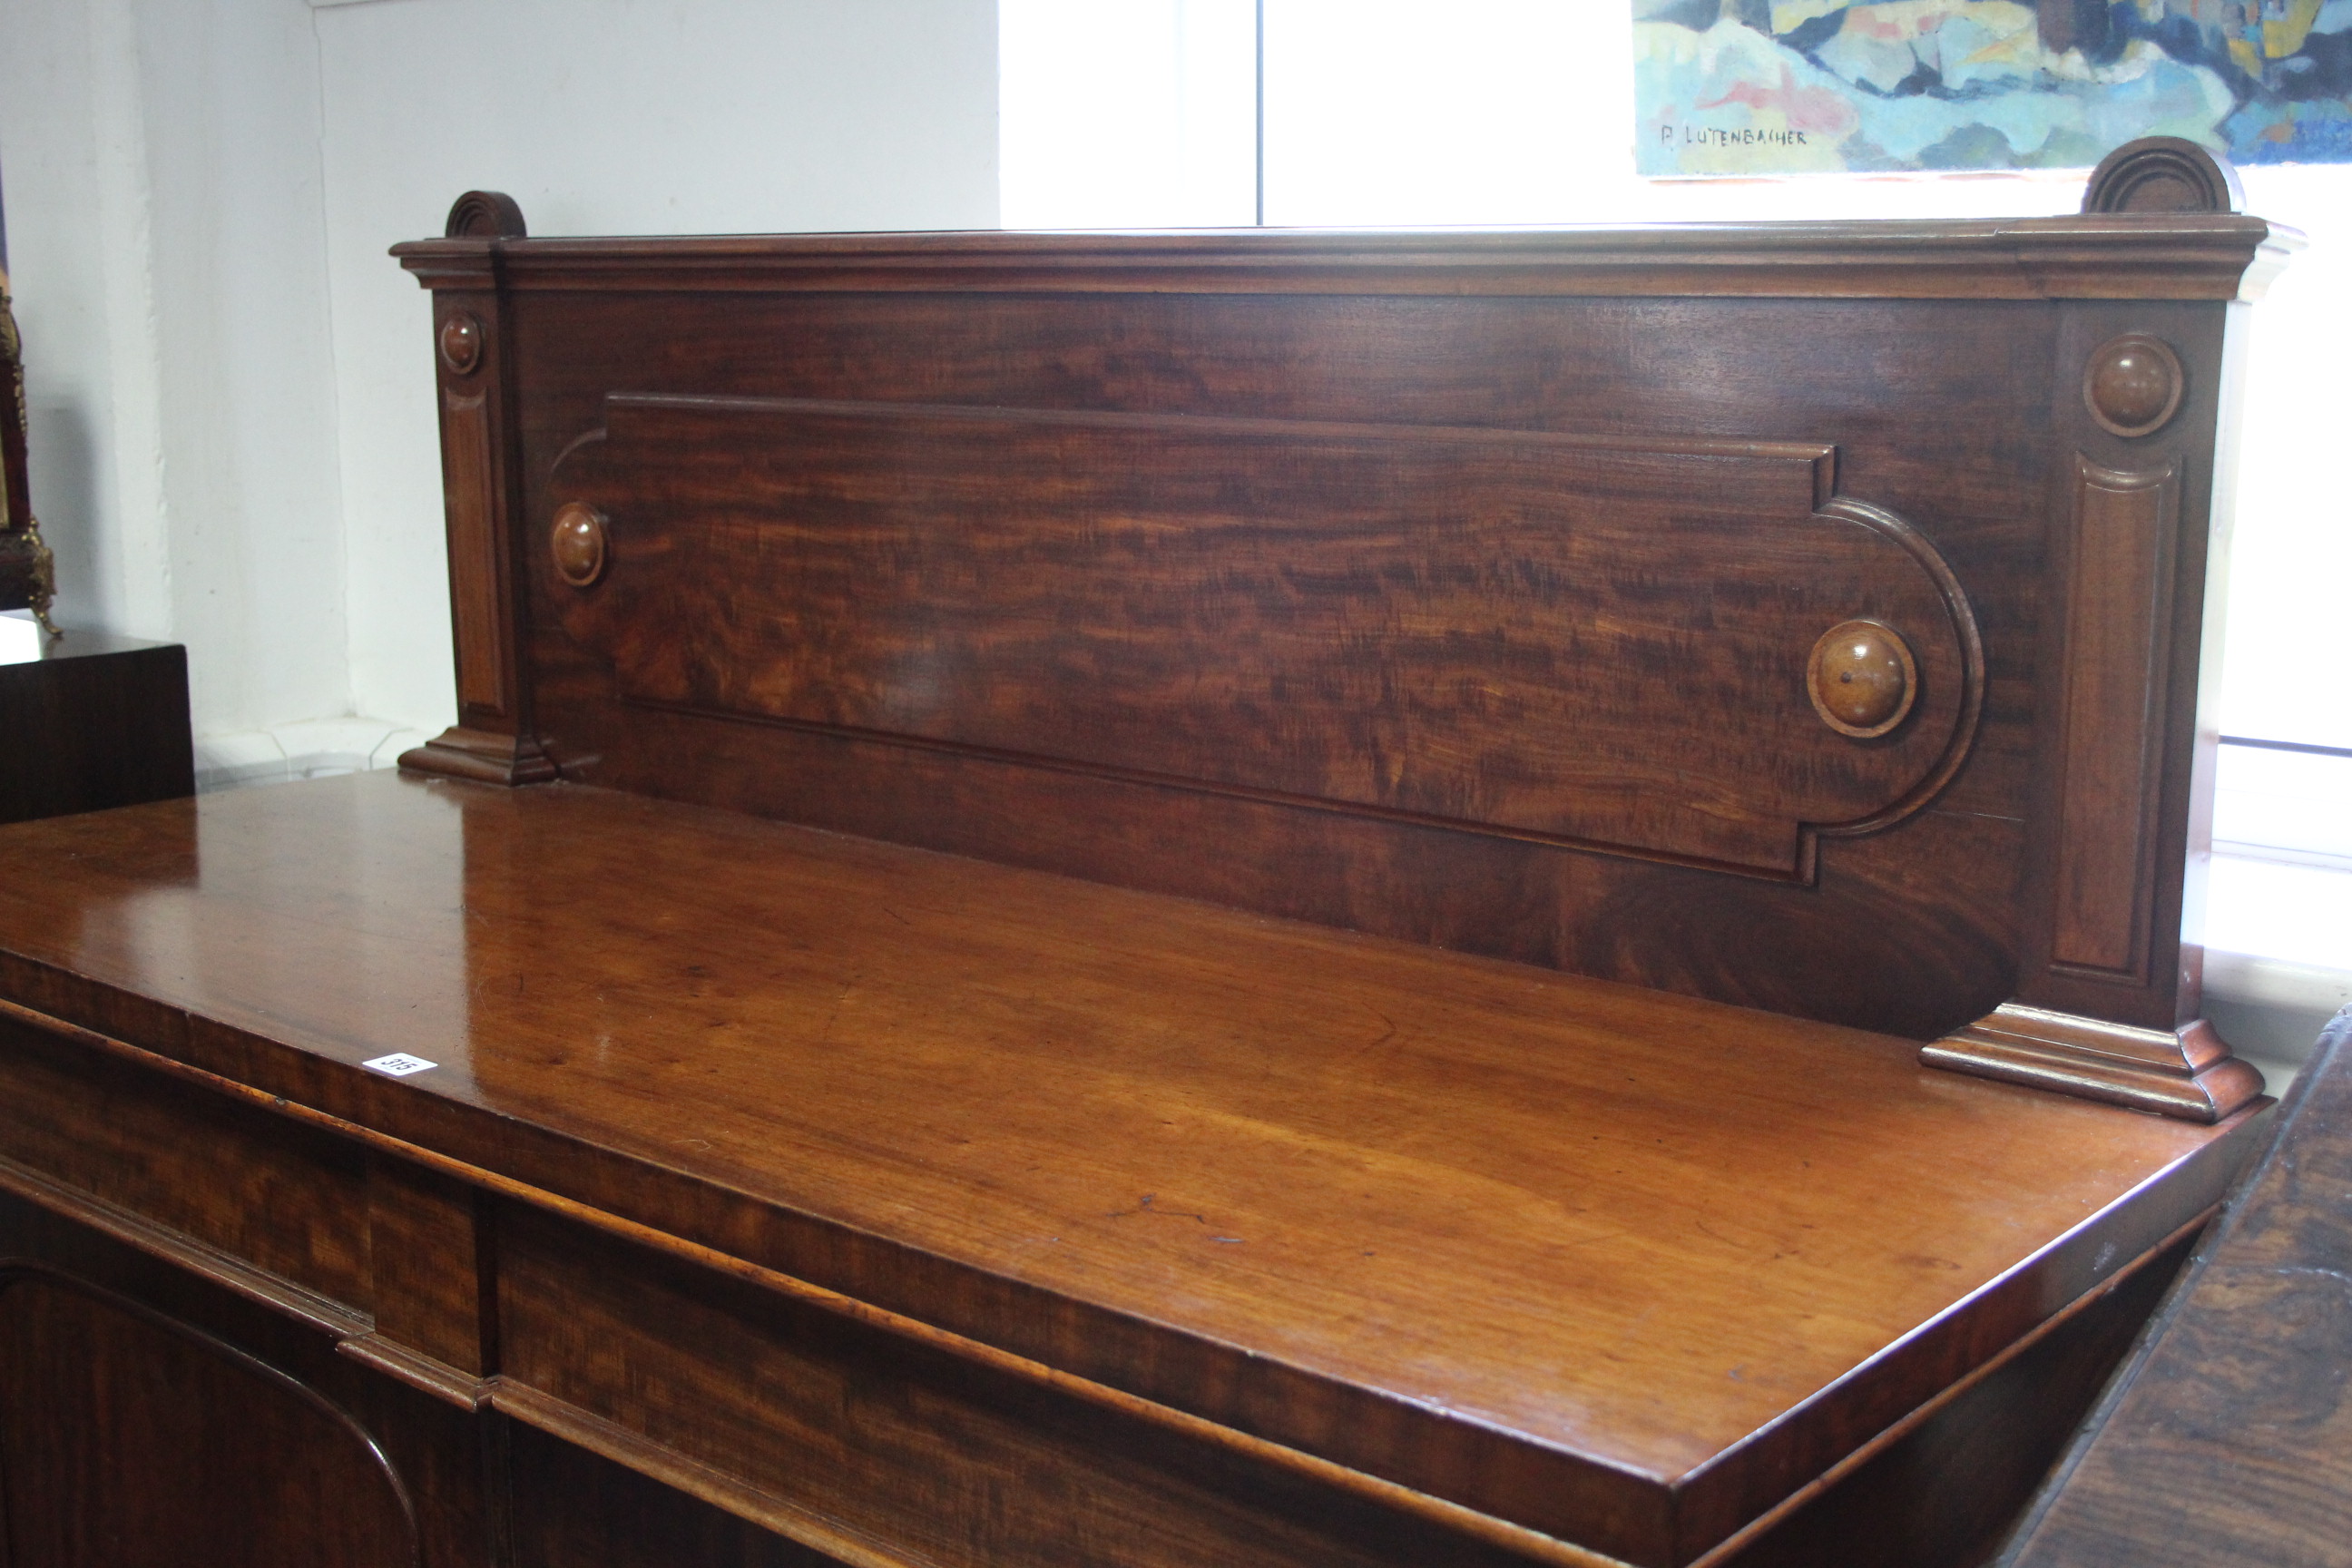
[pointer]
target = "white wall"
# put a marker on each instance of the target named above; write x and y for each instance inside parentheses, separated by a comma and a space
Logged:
(74, 199)
(600, 117)
(1166, 138)
(231, 384)
(167, 245)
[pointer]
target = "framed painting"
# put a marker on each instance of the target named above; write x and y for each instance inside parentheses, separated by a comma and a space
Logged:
(1769, 87)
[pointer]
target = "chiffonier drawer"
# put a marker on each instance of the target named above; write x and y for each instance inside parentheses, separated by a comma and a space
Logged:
(288, 1199)
(880, 1448)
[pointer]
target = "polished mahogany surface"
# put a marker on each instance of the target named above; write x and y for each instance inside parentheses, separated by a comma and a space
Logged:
(1545, 638)
(2227, 1438)
(239, 1463)
(1461, 588)
(1449, 619)
(1620, 1266)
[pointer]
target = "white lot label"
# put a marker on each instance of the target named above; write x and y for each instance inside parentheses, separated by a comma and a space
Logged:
(399, 1064)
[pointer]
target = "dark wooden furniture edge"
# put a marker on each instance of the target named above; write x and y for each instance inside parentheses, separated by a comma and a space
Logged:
(2099, 1008)
(2102, 257)
(693, 1219)
(481, 756)
(2265, 1375)
(2187, 1072)
(93, 721)
(2167, 1255)
(357, 1338)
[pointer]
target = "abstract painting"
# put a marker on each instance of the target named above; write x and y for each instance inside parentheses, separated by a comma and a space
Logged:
(1753, 86)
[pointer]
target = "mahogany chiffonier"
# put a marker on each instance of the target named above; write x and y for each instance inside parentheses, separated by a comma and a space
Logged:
(1275, 898)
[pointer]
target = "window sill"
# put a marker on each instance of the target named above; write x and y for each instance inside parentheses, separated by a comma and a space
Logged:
(2278, 955)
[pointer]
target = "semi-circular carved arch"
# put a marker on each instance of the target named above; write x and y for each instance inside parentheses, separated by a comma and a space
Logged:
(485, 214)
(2163, 175)
(16, 1271)
(1972, 674)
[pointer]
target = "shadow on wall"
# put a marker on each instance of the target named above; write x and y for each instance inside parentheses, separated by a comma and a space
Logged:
(65, 500)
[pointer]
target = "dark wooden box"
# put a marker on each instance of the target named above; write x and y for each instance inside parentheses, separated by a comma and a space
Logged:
(93, 721)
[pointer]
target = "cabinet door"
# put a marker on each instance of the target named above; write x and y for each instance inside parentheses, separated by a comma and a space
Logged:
(128, 1440)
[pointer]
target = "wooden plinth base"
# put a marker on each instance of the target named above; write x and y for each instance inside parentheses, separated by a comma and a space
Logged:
(481, 755)
(2187, 1072)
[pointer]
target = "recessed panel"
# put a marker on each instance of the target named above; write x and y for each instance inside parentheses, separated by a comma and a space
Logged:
(1509, 632)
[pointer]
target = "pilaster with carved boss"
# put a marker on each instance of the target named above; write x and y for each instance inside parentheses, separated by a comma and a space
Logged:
(2144, 402)
(493, 740)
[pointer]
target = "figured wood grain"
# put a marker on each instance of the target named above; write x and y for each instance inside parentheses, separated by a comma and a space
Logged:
(494, 740)
(2227, 1438)
(2116, 629)
(129, 1228)
(1500, 1235)
(291, 1203)
(574, 1508)
(1941, 1489)
(1925, 353)
(357, 1338)
(2107, 990)
(1911, 930)
(1527, 634)
(469, 485)
(284, 1338)
(431, 1265)
(1239, 1233)
(877, 1451)
(127, 1437)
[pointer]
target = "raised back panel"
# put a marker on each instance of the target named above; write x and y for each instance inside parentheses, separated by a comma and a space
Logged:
(1542, 637)
(1470, 589)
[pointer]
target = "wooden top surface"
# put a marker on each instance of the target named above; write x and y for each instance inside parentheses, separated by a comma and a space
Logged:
(2172, 255)
(2227, 1439)
(1554, 1247)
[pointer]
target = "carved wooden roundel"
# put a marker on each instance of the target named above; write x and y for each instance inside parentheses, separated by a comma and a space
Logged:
(461, 342)
(577, 543)
(2133, 385)
(1862, 678)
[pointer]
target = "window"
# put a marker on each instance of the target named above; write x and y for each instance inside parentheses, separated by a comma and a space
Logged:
(1156, 114)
